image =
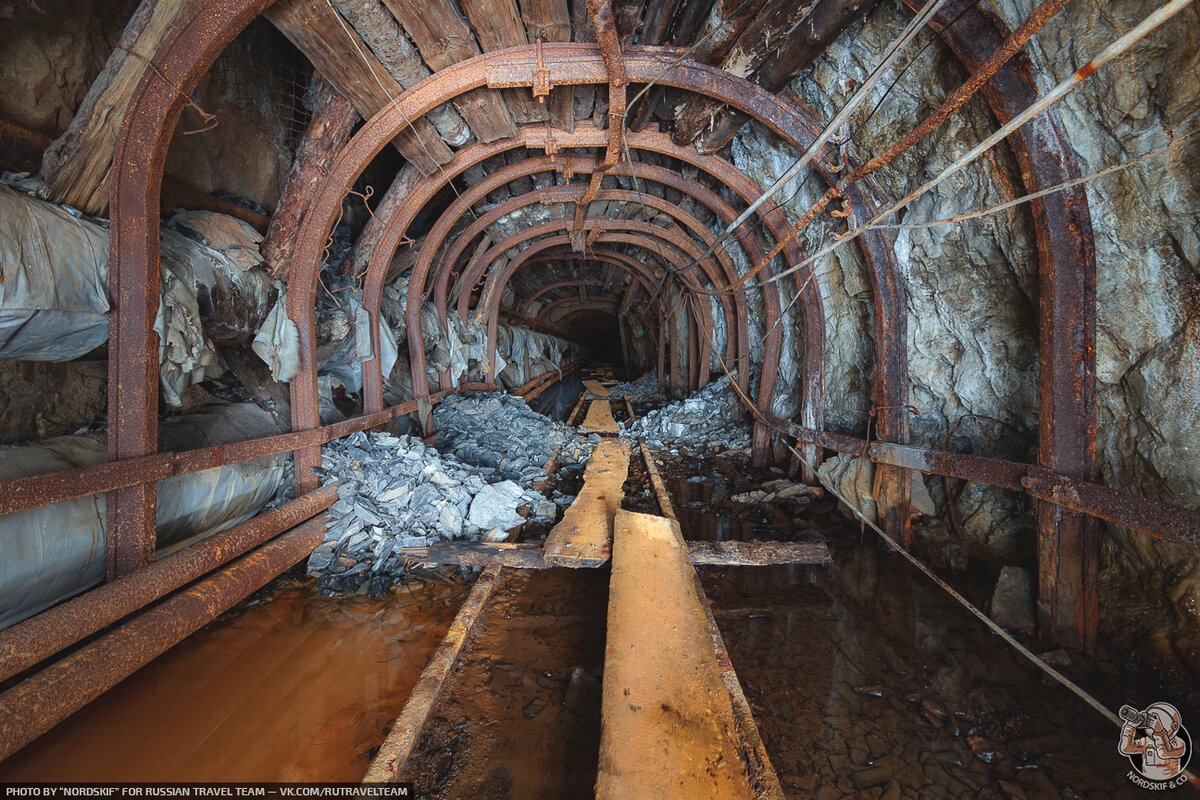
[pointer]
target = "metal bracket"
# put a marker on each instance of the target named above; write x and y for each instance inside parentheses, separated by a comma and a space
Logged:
(541, 77)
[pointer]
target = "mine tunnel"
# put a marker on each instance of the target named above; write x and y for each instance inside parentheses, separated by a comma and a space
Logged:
(620, 398)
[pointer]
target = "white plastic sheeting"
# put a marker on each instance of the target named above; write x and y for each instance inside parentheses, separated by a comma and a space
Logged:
(56, 551)
(53, 289)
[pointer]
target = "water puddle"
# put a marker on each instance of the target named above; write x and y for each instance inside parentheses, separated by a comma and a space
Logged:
(289, 686)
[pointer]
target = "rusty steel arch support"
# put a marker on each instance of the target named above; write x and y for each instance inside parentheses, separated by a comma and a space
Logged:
(588, 303)
(675, 248)
(644, 274)
(513, 68)
(647, 172)
(566, 194)
(526, 302)
(644, 236)
(1068, 541)
(136, 183)
(585, 135)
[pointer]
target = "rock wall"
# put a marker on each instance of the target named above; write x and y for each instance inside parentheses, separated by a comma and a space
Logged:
(52, 50)
(972, 286)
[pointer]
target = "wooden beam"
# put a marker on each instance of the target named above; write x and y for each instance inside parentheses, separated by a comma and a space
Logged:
(550, 21)
(701, 554)
(596, 388)
(584, 536)
(444, 38)
(497, 25)
(400, 58)
(823, 26)
(341, 56)
(333, 118)
(76, 167)
(667, 724)
(390, 205)
(766, 32)
(406, 730)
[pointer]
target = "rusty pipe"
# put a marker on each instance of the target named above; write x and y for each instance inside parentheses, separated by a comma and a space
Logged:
(37, 638)
(37, 704)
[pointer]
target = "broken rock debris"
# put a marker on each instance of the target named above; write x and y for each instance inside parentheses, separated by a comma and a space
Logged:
(711, 419)
(396, 492)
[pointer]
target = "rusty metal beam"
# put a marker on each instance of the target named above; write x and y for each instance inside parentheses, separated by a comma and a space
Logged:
(20, 494)
(189, 51)
(33, 640)
(37, 704)
(1068, 543)
(1151, 517)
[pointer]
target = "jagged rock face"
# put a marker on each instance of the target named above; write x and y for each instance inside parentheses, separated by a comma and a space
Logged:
(50, 52)
(972, 287)
(43, 399)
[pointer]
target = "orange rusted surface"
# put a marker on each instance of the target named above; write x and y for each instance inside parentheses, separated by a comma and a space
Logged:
(584, 536)
(668, 729)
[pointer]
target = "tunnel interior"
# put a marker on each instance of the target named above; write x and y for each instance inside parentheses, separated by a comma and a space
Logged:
(440, 374)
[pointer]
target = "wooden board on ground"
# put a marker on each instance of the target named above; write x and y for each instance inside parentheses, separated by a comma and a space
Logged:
(758, 554)
(599, 419)
(668, 728)
(584, 536)
(595, 388)
(701, 554)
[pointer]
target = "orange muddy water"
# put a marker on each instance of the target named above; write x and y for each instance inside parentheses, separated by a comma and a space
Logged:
(289, 686)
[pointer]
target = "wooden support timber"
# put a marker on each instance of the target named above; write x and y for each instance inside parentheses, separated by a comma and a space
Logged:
(344, 59)
(394, 752)
(497, 25)
(76, 167)
(668, 729)
(595, 387)
(524, 555)
(584, 536)
(444, 38)
(550, 21)
(333, 119)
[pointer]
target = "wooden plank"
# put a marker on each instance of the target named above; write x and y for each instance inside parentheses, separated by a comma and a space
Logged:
(599, 419)
(757, 554)
(701, 554)
(550, 21)
(479, 554)
(596, 388)
(406, 730)
(444, 38)
(341, 57)
(584, 536)
(497, 25)
(571, 419)
(668, 729)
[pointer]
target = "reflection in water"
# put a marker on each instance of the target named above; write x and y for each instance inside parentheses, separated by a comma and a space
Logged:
(298, 687)
(866, 680)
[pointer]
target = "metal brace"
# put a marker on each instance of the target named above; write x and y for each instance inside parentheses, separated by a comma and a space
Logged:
(541, 77)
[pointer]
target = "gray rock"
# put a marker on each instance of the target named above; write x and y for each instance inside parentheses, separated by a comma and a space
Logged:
(1013, 600)
(494, 508)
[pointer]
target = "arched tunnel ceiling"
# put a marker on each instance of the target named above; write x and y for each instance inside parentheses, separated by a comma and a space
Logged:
(600, 211)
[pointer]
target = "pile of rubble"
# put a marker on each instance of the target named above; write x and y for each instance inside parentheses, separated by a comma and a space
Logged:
(395, 492)
(711, 420)
(644, 388)
(504, 438)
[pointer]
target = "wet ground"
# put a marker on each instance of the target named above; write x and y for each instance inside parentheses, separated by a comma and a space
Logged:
(288, 686)
(865, 679)
(520, 714)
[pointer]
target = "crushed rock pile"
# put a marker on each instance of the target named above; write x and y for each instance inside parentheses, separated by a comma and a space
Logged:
(504, 438)
(396, 492)
(711, 419)
(644, 388)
